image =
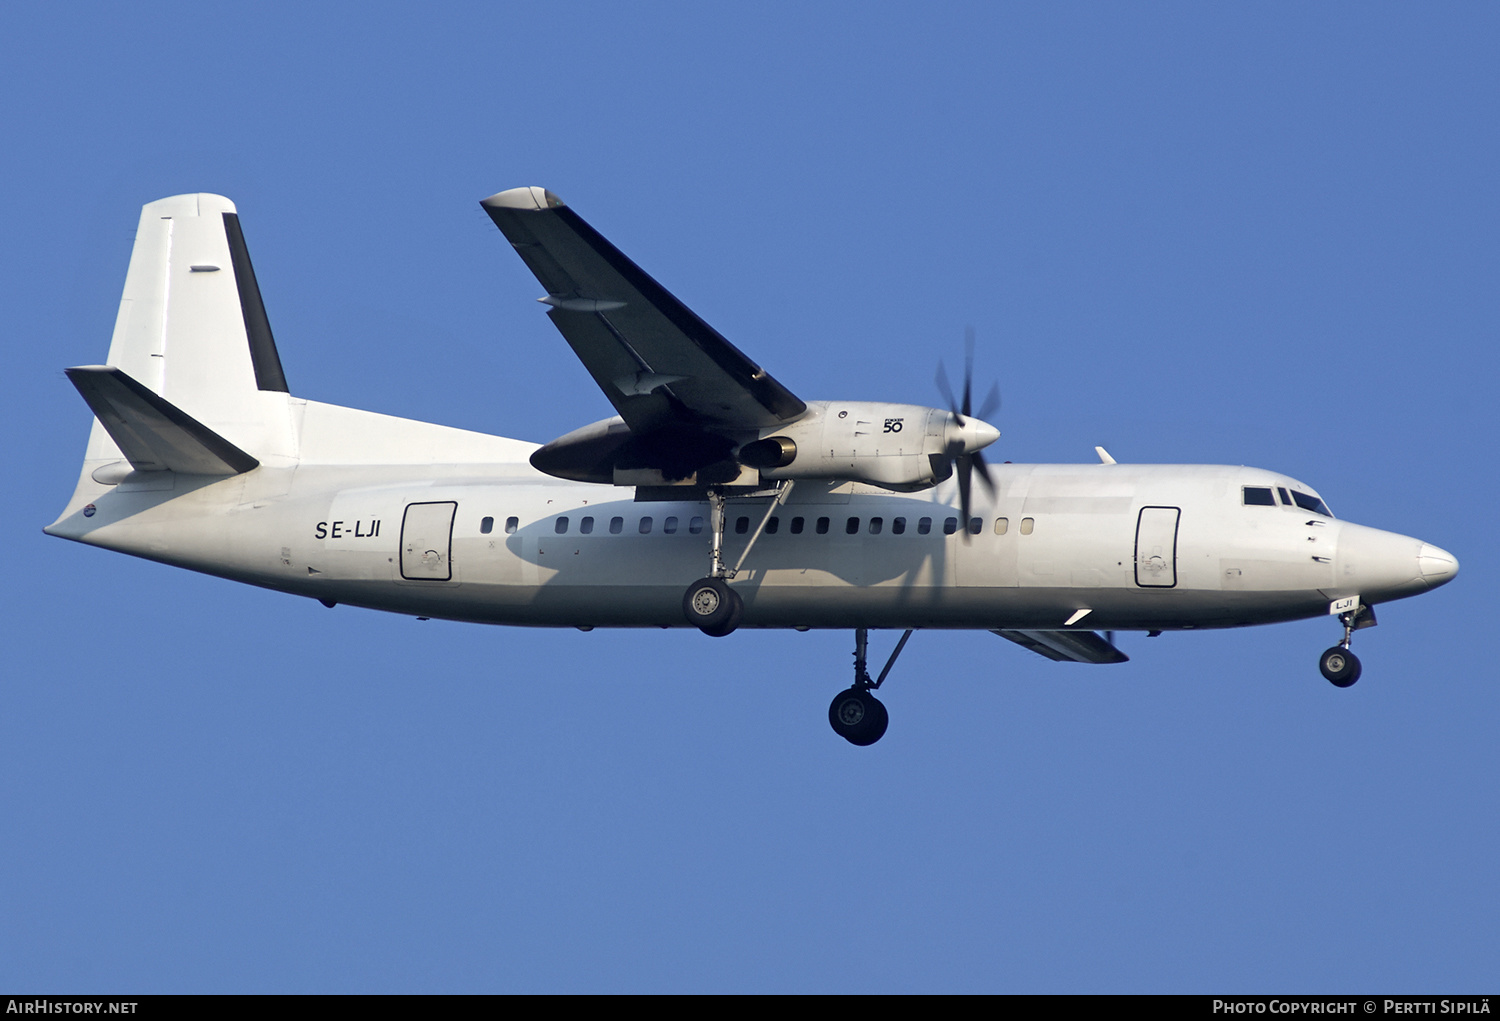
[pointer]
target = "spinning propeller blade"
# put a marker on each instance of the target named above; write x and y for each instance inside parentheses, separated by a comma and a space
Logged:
(966, 462)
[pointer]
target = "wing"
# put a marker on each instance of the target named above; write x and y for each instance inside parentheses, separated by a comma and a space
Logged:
(657, 362)
(1067, 646)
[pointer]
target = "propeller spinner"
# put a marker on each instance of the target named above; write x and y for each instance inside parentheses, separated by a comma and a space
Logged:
(967, 432)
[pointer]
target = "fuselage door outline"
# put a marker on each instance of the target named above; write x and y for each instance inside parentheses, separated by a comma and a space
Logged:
(1156, 547)
(427, 541)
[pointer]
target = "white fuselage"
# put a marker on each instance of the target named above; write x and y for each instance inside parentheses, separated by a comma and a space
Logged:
(420, 519)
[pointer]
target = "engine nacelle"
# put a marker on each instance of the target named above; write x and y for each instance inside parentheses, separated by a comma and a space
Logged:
(896, 446)
(905, 447)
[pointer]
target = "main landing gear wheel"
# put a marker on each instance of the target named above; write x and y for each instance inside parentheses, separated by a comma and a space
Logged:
(713, 607)
(1340, 666)
(858, 717)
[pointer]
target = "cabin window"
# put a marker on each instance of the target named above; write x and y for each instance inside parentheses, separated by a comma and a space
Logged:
(976, 525)
(1311, 503)
(1027, 524)
(616, 526)
(924, 526)
(1259, 496)
(950, 525)
(645, 526)
(695, 524)
(511, 524)
(741, 526)
(898, 526)
(586, 526)
(561, 526)
(669, 526)
(851, 526)
(822, 526)
(796, 526)
(486, 526)
(772, 525)
(875, 525)
(1002, 525)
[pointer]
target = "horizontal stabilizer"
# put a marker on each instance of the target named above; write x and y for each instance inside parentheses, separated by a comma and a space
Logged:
(1067, 646)
(153, 433)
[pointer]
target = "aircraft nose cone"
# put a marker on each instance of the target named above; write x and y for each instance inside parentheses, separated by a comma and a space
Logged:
(1437, 565)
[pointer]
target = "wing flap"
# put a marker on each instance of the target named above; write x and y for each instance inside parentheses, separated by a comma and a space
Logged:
(1067, 646)
(153, 433)
(653, 357)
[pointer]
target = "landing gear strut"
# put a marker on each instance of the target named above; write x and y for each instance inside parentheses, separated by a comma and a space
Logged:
(1338, 664)
(855, 714)
(709, 603)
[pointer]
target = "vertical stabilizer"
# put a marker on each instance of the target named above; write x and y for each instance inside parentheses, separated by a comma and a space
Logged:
(192, 328)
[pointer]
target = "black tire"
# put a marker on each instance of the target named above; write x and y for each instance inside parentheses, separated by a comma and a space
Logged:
(712, 606)
(706, 602)
(858, 717)
(1340, 666)
(736, 612)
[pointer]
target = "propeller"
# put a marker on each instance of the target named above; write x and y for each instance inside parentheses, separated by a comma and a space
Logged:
(972, 433)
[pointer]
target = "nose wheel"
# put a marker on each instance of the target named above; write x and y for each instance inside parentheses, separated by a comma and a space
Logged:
(858, 716)
(855, 714)
(1340, 666)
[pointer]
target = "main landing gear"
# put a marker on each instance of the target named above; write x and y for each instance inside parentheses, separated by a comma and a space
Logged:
(1338, 664)
(855, 714)
(709, 603)
(713, 607)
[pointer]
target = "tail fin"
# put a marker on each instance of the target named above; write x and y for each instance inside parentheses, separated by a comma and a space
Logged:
(192, 329)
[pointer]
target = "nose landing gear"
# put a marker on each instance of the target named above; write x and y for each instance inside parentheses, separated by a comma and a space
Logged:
(855, 714)
(858, 717)
(1340, 666)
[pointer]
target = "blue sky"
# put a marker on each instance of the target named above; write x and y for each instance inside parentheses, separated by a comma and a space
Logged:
(1251, 234)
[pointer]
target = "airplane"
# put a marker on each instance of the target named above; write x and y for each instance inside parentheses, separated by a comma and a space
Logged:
(715, 498)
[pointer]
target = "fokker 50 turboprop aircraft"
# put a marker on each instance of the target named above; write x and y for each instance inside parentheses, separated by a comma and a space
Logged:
(789, 513)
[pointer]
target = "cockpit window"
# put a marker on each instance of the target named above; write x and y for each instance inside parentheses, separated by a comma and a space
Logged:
(1259, 496)
(1311, 503)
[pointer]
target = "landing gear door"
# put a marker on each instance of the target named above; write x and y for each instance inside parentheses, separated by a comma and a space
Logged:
(427, 541)
(1156, 547)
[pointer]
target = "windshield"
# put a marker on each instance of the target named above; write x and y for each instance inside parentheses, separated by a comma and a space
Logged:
(1311, 503)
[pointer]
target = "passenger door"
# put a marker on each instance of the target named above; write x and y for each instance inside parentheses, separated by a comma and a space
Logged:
(1156, 547)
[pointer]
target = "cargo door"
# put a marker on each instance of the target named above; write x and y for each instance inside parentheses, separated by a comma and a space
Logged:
(427, 541)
